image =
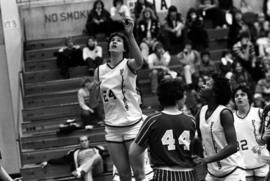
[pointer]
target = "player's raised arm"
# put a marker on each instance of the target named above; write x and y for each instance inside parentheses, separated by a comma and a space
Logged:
(137, 60)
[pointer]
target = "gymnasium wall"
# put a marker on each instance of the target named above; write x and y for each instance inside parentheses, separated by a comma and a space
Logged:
(10, 98)
(51, 19)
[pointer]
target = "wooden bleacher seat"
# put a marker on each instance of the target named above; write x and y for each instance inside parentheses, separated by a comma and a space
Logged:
(49, 53)
(53, 42)
(53, 86)
(51, 140)
(34, 172)
(38, 156)
(47, 75)
(42, 113)
(217, 34)
(51, 98)
(36, 65)
(44, 125)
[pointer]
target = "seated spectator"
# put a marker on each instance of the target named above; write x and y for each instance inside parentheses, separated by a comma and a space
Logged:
(68, 56)
(263, 88)
(238, 26)
(91, 109)
(85, 161)
(118, 12)
(190, 59)
(241, 77)
(263, 44)
(207, 66)
(147, 31)
(244, 53)
(226, 63)
(266, 9)
(210, 10)
(158, 62)
(92, 53)
(140, 5)
(98, 19)
(261, 26)
(196, 32)
(173, 32)
(244, 7)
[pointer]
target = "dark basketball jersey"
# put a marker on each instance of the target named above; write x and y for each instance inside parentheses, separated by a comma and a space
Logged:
(168, 138)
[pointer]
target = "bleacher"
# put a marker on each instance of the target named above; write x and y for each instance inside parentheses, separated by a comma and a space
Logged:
(49, 100)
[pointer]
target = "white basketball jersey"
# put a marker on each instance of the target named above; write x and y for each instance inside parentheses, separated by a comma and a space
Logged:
(119, 95)
(213, 139)
(247, 129)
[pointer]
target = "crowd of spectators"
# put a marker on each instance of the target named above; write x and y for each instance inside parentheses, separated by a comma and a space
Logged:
(184, 38)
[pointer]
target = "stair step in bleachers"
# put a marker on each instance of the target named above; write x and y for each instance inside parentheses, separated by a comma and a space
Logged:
(45, 64)
(45, 125)
(57, 111)
(53, 86)
(58, 42)
(35, 172)
(51, 140)
(48, 99)
(54, 42)
(47, 75)
(49, 53)
(217, 44)
(218, 34)
(40, 155)
(217, 54)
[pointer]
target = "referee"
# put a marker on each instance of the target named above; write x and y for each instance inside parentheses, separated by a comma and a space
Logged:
(168, 135)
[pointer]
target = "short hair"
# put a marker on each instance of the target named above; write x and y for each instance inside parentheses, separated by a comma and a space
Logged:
(83, 137)
(205, 52)
(244, 89)
(222, 89)
(125, 40)
(96, 2)
(85, 80)
(157, 45)
(92, 37)
(67, 39)
(170, 91)
(115, 1)
(172, 9)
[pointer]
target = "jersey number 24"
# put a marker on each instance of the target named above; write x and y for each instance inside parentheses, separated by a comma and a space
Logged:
(108, 95)
(183, 139)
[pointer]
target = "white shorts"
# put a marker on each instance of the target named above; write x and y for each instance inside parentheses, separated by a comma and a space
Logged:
(237, 175)
(259, 172)
(122, 134)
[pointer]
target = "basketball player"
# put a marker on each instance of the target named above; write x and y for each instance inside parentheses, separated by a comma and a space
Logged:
(168, 135)
(117, 81)
(216, 128)
(247, 122)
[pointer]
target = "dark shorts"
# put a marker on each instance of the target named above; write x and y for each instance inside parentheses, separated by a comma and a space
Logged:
(174, 175)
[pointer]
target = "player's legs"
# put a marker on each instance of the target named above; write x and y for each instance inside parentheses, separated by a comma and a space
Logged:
(139, 172)
(129, 135)
(119, 155)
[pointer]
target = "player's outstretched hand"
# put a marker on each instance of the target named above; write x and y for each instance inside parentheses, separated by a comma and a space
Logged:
(129, 25)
